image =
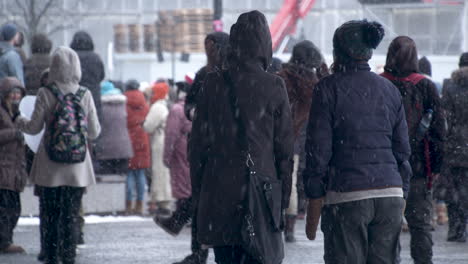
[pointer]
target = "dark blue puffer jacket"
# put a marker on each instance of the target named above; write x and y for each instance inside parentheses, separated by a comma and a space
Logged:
(357, 136)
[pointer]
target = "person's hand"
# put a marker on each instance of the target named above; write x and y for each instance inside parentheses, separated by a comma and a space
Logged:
(314, 209)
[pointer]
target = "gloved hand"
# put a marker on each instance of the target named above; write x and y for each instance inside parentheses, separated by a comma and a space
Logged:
(314, 210)
(15, 110)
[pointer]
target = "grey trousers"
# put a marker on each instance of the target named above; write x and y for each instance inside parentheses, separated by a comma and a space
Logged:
(418, 213)
(363, 232)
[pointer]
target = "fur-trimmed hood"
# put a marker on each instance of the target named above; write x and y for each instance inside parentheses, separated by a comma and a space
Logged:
(460, 77)
(113, 99)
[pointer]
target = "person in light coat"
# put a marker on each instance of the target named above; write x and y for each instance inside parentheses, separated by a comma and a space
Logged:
(155, 124)
(63, 184)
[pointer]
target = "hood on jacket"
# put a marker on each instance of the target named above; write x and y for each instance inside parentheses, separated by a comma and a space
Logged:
(7, 84)
(82, 41)
(159, 91)
(460, 77)
(250, 40)
(65, 68)
(306, 54)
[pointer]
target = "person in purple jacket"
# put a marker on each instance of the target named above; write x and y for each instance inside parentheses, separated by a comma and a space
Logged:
(357, 146)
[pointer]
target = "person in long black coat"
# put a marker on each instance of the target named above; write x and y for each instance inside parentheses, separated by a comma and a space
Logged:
(217, 160)
(92, 67)
(455, 102)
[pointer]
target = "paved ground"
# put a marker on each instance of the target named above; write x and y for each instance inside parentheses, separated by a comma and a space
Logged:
(143, 242)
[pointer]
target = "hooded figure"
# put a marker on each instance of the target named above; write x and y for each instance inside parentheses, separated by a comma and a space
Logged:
(357, 139)
(63, 184)
(13, 174)
(92, 68)
(11, 64)
(154, 125)
(137, 109)
(303, 71)
(455, 102)
(420, 96)
(37, 63)
(217, 156)
(114, 148)
(215, 49)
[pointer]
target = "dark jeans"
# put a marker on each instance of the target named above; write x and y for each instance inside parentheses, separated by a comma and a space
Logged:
(232, 255)
(61, 207)
(418, 213)
(457, 202)
(365, 231)
(10, 210)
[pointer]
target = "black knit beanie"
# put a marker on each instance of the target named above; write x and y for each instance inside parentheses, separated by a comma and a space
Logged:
(463, 60)
(132, 84)
(307, 54)
(357, 38)
(425, 66)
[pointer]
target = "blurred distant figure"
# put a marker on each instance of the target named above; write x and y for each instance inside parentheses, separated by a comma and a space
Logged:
(11, 64)
(19, 42)
(155, 124)
(13, 174)
(215, 49)
(114, 148)
(92, 68)
(455, 102)
(38, 62)
(303, 71)
(425, 68)
(137, 109)
(275, 66)
(175, 158)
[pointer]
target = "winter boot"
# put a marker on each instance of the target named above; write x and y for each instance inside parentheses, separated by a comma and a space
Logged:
(441, 211)
(139, 208)
(128, 207)
(13, 249)
(174, 224)
(289, 229)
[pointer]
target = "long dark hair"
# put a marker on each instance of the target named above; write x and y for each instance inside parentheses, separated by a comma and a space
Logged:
(402, 57)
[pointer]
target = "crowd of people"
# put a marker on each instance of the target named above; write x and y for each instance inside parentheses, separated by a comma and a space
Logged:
(245, 148)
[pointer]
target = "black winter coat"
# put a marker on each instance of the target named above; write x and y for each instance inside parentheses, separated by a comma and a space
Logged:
(455, 102)
(33, 69)
(357, 135)
(217, 162)
(92, 67)
(193, 93)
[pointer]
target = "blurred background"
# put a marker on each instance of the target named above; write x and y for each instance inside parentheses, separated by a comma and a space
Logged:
(148, 39)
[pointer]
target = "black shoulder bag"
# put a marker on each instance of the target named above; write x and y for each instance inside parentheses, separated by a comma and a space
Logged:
(261, 223)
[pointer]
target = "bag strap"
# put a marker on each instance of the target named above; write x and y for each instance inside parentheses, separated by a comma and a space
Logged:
(233, 101)
(80, 93)
(55, 91)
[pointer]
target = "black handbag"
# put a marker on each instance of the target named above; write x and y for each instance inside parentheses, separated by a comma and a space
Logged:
(261, 224)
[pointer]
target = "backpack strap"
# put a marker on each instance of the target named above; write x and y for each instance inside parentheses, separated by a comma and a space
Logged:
(55, 91)
(80, 93)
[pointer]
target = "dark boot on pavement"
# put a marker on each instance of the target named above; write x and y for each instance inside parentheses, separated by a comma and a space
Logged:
(289, 229)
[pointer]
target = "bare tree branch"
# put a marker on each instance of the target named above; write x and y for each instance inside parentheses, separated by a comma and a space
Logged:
(45, 9)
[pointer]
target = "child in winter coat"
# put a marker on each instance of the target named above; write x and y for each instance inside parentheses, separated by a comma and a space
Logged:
(12, 171)
(137, 109)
